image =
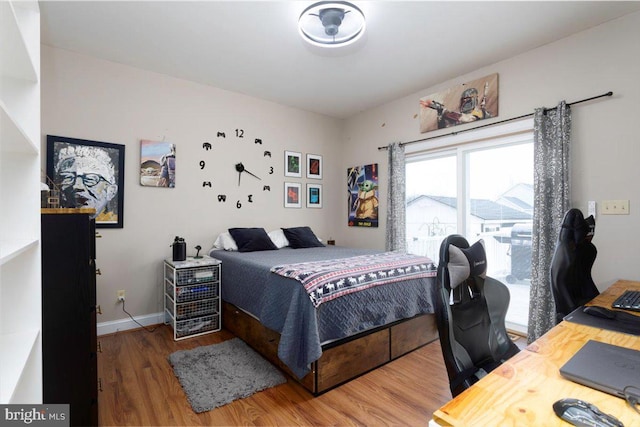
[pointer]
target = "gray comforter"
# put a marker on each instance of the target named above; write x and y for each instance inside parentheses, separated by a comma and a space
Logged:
(283, 305)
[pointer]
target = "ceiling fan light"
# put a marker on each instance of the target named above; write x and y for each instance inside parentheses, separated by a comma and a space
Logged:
(331, 20)
(331, 23)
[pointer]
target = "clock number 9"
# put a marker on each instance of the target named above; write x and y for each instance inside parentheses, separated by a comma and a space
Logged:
(239, 133)
(202, 164)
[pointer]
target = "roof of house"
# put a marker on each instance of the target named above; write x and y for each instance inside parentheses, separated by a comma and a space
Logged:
(519, 202)
(481, 208)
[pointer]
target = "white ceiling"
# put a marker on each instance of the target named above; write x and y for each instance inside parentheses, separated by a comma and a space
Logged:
(253, 47)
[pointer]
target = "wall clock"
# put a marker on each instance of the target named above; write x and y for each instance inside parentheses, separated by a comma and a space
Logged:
(248, 170)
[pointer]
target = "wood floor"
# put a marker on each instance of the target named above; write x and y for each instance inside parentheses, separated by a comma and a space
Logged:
(140, 389)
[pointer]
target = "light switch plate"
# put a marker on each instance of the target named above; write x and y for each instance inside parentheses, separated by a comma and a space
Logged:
(591, 209)
(615, 207)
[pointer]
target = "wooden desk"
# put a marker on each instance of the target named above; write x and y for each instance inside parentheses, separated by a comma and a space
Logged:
(522, 390)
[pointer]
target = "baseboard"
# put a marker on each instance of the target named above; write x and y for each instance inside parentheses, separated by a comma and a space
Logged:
(126, 324)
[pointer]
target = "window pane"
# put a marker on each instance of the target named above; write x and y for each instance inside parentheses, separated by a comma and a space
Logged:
(431, 204)
(500, 211)
(498, 182)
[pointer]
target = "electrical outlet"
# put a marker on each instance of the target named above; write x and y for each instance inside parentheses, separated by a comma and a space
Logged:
(121, 295)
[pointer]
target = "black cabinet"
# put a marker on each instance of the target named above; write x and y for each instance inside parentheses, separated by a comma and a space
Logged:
(70, 368)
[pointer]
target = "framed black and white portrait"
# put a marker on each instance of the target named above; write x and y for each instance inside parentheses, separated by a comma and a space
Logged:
(88, 174)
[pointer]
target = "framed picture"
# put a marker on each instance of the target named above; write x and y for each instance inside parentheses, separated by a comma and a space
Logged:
(362, 190)
(292, 196)
(89, 174)
(314, 166)
(293, 164)
(314, 195)
(464, 103)
(157, 164)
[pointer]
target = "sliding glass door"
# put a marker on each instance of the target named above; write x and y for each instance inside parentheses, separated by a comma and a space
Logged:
(481, 190)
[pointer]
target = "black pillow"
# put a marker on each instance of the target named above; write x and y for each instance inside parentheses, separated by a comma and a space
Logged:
(252, 239)
(301, 237)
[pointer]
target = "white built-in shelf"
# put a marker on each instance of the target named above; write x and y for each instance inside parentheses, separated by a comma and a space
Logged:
(14, 137)
(12, 362)
(20, 260)
(16, 24)
(13, 248)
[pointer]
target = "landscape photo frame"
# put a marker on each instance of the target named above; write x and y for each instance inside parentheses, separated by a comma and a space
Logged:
(457, 105)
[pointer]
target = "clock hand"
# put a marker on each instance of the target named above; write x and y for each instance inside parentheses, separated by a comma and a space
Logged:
(239, 168)
(255, 176)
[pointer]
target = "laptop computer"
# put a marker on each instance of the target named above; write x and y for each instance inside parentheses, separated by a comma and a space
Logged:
(604, 367)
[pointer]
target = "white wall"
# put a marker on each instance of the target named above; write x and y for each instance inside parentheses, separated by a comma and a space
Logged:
(605, 142)
(97, 100)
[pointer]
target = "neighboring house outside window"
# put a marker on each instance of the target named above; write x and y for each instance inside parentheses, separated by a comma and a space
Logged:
(482, 190)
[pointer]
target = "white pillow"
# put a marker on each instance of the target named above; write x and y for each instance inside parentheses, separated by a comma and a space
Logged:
(278, 238)
(226, 242)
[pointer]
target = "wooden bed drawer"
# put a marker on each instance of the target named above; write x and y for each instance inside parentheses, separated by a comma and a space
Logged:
(262, 339)
(339, 365)
(413, 333)
(342, 361)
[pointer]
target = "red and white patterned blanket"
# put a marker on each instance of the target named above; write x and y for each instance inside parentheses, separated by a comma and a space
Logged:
(330, 279)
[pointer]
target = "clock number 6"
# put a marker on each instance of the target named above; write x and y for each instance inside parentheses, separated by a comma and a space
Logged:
(238, 204)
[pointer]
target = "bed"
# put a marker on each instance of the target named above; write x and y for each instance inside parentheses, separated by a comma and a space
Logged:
(323, 343)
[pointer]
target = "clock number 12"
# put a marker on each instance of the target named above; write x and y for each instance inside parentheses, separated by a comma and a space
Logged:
(239, 133)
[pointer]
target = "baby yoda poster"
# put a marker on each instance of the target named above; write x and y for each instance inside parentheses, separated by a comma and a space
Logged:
(362, 190)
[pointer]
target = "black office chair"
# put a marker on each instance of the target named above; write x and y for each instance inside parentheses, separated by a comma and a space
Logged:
(571, 282)
(470, 314)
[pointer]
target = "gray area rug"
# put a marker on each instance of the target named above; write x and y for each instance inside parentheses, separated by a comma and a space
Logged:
(218, 374)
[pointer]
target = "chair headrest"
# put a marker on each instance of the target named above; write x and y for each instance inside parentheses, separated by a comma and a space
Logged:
(576, 228)
(466, 262)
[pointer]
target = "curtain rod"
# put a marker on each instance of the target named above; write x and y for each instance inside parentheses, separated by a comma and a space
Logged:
(496, 123)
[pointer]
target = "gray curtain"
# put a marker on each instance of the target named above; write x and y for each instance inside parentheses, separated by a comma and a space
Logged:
(396, 238)
(552, 133)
